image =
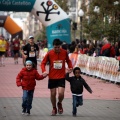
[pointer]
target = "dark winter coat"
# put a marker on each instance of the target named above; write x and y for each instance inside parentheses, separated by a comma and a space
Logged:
(77, 84)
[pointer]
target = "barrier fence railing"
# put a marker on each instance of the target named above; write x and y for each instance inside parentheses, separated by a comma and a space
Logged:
(102, 67)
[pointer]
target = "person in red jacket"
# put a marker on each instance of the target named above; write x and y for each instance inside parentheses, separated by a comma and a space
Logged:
(57, 57)
(26, 78)
(107, 49)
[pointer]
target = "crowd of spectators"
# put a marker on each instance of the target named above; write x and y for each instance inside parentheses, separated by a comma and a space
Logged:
(101, 48)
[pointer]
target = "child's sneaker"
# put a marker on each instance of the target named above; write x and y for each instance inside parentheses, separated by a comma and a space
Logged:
(60, 109)
(74, 115)
(24, 111)
(28, 112)
(54, 111)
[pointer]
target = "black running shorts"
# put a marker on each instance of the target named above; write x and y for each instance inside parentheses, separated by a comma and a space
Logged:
(55, 83)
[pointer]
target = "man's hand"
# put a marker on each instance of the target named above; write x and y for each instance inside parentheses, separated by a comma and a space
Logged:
(25, 56)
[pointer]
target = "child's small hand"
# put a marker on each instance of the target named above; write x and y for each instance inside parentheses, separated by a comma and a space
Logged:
(91, 91)
(45, 74)
(19, 85)
(69, 70)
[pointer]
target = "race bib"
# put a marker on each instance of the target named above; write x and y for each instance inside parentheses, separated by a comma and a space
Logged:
(57, 64)
(16, 45)
(2, 46)
(31, 54)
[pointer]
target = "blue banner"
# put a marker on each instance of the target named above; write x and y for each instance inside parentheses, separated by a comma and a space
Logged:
(60, 30)
(17, 5)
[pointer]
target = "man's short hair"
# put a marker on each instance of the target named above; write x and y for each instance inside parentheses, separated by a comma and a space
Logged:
(57, 42)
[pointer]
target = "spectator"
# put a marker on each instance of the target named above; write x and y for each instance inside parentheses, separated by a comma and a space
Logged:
(91, 49)
(64, 46)
(98, 49)
(74, 54)
(118, 54)
(107, 49)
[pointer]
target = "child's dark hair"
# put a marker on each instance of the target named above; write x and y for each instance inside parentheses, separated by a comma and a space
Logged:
(76, 68)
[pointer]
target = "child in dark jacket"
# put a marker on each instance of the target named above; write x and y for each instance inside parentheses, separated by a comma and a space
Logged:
(26, 78)
(76, 84)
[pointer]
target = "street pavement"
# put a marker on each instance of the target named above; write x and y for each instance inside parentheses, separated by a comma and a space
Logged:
(102, 104)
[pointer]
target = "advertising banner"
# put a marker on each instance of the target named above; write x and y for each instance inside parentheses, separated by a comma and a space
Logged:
(55, 20)
(59, 30)
(16, 5)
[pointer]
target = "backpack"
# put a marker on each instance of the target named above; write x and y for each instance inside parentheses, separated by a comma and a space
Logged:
(106, 52)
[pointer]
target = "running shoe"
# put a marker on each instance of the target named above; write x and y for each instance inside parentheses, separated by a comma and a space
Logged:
(60, 108)
(54, 111)
(74, 115)
(28, 112)
(24, 111)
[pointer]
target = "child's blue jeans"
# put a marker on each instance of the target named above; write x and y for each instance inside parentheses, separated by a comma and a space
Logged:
(27, 99)
(77, 100)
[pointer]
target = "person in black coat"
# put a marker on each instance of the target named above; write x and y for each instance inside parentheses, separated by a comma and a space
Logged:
(117, 48)
(76, 84)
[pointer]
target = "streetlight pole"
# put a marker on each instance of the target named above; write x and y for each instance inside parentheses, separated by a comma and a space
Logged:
(74, 24)
(115, 17)
(70, 17)
(97, 11)
(80, 28)
(81, 13)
